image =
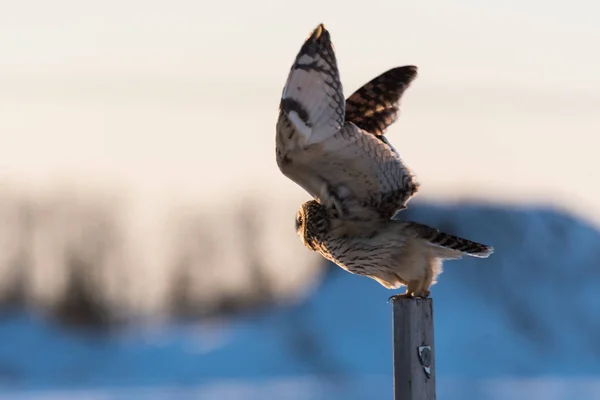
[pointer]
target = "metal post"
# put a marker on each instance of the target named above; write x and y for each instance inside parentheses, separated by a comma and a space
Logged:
(414, 366)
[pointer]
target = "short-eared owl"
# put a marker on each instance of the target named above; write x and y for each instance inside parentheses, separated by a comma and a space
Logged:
(336, 150)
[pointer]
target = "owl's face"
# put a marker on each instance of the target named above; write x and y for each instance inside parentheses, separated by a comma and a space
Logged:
(300, 223)
(301, 227)
(311, 223)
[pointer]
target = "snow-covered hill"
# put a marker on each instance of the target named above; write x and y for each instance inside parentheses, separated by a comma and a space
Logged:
(522, 324)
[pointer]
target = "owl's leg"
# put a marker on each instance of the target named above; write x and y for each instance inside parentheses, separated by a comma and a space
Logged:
(422, 289)
(413, 288)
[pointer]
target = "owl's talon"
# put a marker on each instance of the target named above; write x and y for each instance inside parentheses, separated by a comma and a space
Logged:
(401, 296)
(423, 294)
(411, 295)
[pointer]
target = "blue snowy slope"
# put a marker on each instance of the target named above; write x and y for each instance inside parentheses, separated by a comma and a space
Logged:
(522, 323)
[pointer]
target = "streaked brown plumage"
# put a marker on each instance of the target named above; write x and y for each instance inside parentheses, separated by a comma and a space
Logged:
(394, 253)
(336, 150)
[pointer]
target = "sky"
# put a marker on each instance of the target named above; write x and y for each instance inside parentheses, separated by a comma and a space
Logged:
(177, 101)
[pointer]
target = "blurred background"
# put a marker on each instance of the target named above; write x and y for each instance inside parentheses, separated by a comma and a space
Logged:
(147, 244)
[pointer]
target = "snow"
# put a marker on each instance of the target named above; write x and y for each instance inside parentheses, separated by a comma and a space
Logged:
(522, 324)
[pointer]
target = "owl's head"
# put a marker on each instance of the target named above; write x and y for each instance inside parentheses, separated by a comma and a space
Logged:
(311, 223)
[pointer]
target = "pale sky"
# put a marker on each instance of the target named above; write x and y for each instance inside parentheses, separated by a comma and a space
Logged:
(178, 99)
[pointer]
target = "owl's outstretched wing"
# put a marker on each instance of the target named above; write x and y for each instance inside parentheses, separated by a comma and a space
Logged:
(313, 98)
(335, 160)
(311, 111)
(375, 105)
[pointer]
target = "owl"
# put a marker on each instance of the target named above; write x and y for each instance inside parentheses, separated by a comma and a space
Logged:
(336, 150)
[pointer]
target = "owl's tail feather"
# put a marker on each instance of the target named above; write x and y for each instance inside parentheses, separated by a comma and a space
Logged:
(448, 241)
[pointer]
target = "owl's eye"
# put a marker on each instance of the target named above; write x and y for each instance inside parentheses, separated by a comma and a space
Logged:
(298, 221)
